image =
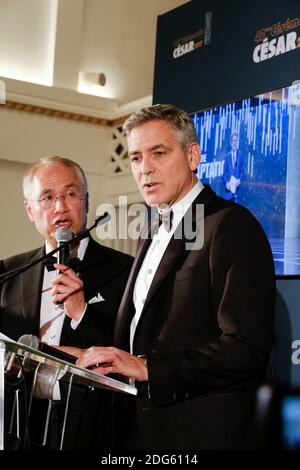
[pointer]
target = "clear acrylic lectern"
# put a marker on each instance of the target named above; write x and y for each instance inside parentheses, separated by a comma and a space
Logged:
(18, 361)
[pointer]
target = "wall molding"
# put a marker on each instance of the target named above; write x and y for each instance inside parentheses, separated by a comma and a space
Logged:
(67, 104)
(57, 113)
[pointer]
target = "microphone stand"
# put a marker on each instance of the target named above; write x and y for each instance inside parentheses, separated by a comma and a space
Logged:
(102, 219)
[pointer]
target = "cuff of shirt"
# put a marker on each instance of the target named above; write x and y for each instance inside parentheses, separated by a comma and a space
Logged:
(75, 323)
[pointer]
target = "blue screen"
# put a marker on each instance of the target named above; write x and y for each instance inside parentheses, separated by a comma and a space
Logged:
(261, 169)
(290, 419)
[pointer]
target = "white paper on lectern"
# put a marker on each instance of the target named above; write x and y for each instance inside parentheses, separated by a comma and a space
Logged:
(233, 183)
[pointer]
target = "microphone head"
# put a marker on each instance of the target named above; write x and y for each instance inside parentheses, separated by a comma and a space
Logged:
(63, 235)
(29, 340)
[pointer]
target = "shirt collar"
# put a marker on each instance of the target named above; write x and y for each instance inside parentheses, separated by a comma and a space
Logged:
(180, 207)
(80, 251)
(187, 200)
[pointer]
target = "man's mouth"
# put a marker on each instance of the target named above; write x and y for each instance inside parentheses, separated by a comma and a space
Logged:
(149, 185)
(63, 223)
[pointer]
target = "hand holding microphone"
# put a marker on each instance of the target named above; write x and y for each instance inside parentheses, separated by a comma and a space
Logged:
(63, 235)
(67, 286)
(68, 289)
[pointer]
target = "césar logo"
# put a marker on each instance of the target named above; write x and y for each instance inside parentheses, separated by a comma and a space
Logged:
(268, 49)
(276, 39)
(193, 41)
(182, 49)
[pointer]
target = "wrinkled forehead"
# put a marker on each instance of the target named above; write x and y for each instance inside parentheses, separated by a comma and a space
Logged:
(55, 178)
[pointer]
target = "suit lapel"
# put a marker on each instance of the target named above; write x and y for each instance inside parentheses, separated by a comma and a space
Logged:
(125, 312)
(31, 288)
(93, 277)
(172, 253)
(89, 269)
(179, 243)
(174, 250)
(89, 273)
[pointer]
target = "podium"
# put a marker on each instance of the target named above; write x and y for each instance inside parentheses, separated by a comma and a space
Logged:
(42, 372)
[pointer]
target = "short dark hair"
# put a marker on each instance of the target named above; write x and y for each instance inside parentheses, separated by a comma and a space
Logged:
(178, 119)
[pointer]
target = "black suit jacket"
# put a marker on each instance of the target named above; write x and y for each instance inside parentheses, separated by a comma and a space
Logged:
(206, 328)
(103, 270)
(237, 170)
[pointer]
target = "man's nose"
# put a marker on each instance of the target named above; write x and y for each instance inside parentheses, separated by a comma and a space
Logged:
(147, 166)
(60, 204)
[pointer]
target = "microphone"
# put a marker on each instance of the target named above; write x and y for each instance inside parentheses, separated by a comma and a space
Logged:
(25, 340)
(34, 343)
(29, 340)
(63, 235)
(6, 276)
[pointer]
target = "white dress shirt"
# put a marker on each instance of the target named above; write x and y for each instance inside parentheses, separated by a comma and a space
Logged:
(233, 156)
(154, 255)
(52, 316)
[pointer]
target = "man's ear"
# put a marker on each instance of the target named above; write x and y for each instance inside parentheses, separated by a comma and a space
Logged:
(87, 206)
(28, 210)
(194, 155)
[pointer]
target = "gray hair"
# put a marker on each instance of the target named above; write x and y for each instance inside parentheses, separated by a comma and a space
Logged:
(49, 161)
(178, 119)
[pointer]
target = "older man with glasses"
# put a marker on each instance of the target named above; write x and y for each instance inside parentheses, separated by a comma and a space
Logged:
(66, 308)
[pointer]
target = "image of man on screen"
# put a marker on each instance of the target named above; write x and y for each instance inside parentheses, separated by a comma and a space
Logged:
(233, 169)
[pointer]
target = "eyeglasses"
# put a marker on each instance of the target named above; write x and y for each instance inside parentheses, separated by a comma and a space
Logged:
(70, 197)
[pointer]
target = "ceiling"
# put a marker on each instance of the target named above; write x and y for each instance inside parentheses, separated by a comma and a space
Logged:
(69, 43)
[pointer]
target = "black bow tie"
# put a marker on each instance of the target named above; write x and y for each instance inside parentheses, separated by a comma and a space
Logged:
(166, 218)
(49, 263)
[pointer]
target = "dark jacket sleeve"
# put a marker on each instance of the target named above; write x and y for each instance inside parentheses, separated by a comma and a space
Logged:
(242, 292)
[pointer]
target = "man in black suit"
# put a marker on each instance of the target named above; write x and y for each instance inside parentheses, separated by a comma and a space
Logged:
(234, 172)
(67, 308)
(198, 305)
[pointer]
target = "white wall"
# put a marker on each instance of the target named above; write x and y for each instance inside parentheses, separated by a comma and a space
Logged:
(27, 39)
(26, 137)
(52, 41)
(17, 233)
(119, 40)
